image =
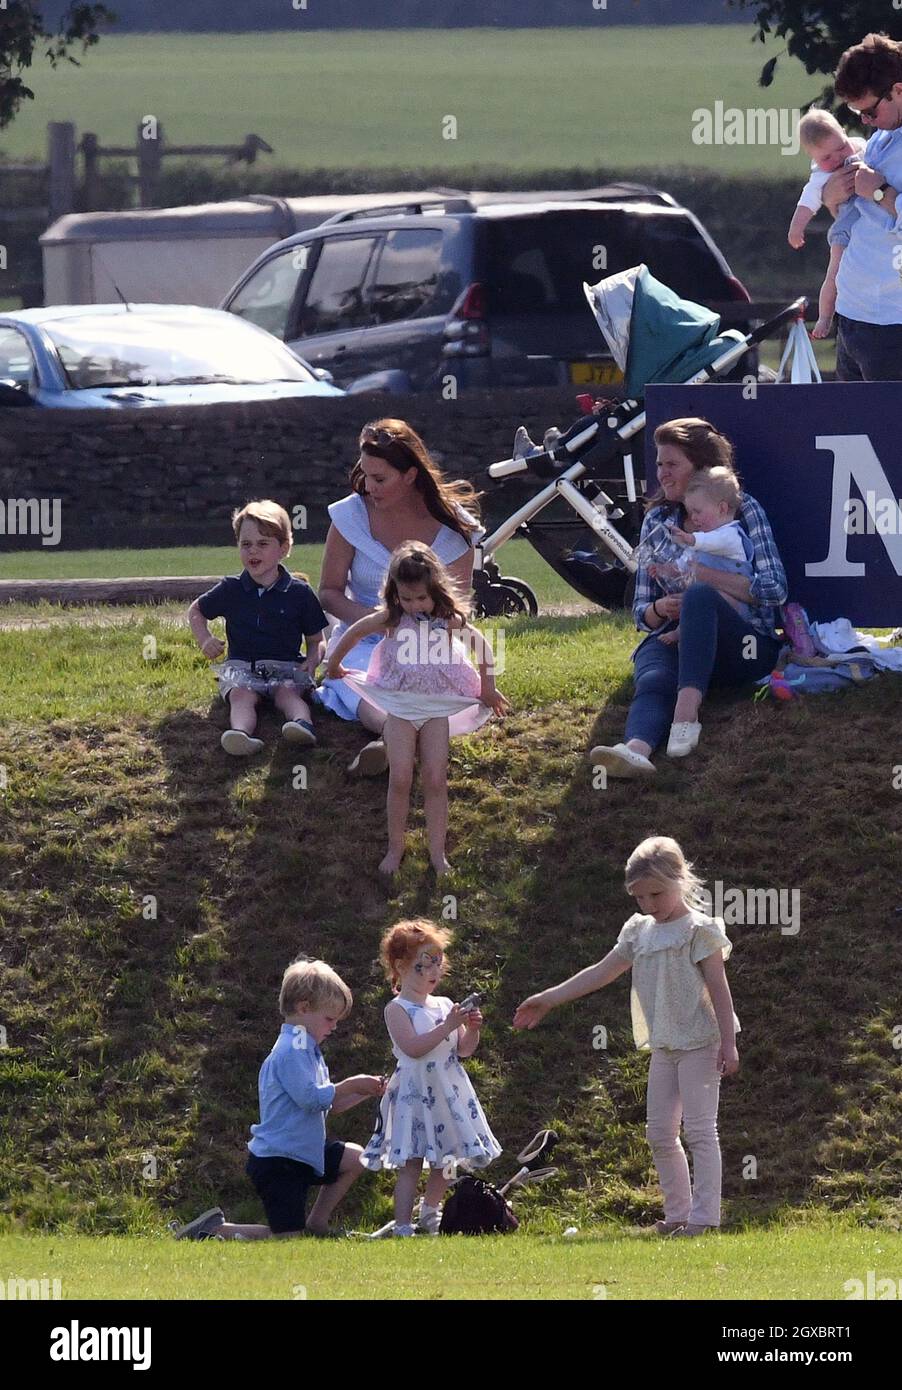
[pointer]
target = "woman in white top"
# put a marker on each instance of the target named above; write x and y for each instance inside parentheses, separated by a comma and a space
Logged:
(682, 1014)
(398, 494)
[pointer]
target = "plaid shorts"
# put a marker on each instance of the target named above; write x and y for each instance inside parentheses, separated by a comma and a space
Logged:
(263, 677)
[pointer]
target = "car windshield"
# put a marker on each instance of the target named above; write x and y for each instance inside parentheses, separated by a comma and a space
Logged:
(537, 265)
(135, 349)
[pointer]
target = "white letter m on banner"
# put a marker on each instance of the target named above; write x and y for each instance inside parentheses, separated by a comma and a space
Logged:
(854, 460)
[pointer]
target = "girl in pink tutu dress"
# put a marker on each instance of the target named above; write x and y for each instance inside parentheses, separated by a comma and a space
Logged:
(422, 678)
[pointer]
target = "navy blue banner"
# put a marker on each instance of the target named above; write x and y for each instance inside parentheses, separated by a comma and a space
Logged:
(825, 462)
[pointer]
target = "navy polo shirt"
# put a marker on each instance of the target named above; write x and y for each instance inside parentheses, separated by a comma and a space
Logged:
(264, 624)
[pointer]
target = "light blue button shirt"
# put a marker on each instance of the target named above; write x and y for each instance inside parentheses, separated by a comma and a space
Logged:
(869, 281)
(295, 1093)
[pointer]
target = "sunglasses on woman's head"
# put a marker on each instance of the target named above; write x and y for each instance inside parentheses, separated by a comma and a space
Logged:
(370, 434)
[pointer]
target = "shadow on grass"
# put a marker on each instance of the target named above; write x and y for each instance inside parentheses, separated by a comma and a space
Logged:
(762, 804)
(144, 1035)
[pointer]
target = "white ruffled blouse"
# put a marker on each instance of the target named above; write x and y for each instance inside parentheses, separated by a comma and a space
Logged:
(670, 1003)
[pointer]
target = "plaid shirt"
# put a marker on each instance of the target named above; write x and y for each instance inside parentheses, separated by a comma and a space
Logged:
(767, 589)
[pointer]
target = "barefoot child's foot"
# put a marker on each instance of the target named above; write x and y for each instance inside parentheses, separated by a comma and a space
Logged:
(441, 866)
(392, 862)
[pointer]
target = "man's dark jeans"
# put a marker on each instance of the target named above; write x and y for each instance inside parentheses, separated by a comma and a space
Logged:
(868, 351)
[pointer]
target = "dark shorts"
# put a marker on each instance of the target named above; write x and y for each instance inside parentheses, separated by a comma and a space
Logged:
(282, 1185)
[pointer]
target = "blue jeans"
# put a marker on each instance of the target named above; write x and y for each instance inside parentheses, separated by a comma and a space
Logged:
(868, 351)
(711, 651)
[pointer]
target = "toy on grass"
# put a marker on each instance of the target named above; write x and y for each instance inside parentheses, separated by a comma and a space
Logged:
(779, 687)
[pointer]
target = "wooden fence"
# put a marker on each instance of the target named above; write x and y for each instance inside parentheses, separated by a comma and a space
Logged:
(52, 186)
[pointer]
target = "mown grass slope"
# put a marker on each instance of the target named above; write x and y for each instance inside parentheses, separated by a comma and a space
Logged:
(153, 890)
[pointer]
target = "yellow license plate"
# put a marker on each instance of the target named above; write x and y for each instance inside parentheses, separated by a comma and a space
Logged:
(595, 373)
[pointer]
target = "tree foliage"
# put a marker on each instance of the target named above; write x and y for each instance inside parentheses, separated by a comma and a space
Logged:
(818, 32)
(25, 34)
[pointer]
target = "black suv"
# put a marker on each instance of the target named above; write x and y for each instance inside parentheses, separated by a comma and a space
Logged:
(484, 289)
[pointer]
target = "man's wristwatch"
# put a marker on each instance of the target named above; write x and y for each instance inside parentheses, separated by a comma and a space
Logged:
(880, 193)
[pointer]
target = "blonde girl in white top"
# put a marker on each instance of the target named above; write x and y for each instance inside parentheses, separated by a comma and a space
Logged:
(682, 1013)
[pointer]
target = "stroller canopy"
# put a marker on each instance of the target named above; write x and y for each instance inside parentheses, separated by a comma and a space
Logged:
(654, 335)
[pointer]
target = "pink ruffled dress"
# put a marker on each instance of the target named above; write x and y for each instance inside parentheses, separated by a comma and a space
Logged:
(423, 671)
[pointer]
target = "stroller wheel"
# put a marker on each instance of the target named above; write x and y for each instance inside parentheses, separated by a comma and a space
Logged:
(520, 587)
(502, 600)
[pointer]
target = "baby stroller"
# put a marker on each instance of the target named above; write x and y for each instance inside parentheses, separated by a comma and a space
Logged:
(588, 469)
(474, 1207)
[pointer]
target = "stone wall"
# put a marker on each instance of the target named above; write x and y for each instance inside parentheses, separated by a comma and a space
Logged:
(149, 477)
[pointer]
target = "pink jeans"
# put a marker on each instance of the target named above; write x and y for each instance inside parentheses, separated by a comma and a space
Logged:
(686, 1086)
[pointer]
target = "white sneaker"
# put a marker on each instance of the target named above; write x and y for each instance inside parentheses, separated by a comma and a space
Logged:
(299, 731)
(683, 739)
(621, 761)
(371, 760)
(428, 1221)
(240, 744)
(383, 1232)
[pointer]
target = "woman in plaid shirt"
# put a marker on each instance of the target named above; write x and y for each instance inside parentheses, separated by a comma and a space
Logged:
(717, 646)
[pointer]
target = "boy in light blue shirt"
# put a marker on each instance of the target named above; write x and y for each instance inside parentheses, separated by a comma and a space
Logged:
(289, 1152)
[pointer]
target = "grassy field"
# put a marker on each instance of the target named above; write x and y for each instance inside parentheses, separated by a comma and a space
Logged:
(783, 1262)
(519, 558)
(153, 891)
(371, 99)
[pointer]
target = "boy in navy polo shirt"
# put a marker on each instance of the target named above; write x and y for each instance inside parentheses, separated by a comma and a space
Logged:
(289, 1152)
(268, 614)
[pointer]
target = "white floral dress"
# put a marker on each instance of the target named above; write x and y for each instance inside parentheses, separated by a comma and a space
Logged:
(429, 1109)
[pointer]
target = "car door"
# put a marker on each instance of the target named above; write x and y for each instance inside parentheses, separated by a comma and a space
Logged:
(17, 362)
(267, 298)
(330, 311)
(407, 308)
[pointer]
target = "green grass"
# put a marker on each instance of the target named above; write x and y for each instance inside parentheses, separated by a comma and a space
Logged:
(153, 890)
(783, 1262)
(332, 99)
(518, 558)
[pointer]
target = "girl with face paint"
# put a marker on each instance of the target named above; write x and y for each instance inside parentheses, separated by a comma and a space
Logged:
(429, 1112)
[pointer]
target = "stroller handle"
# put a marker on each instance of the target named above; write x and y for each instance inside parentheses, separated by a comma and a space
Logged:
(795, 310)
(508, 466)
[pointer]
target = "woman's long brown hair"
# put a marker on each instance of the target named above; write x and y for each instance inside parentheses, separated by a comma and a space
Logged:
(402, 448)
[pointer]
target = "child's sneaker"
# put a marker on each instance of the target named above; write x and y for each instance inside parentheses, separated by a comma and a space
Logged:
(669, 1228)
(383, 1232)
(428, 1220)
(371, 760)
(299, 731)
(683, 739)
(203, 1227)
(240, 744)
